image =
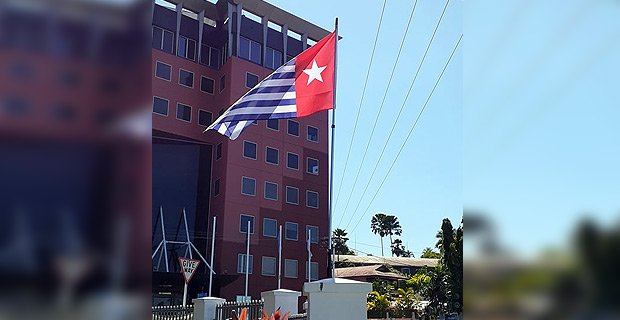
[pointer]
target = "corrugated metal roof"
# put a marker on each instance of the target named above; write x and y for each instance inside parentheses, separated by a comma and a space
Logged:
(378, 271)
(393, 261)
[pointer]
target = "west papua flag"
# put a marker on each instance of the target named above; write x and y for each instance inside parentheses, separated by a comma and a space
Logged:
(302, 86)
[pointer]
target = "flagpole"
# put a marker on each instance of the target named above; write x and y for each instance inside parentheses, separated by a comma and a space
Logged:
(280, 258)
(247, 263)
(212, 252)
(309, 258)
(331, 171)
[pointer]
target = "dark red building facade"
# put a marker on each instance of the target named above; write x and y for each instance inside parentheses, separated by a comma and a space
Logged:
(204, 57)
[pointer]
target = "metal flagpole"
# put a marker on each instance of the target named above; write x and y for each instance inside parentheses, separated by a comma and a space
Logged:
(212, 252)
(280, 258)
(247, 263)
(331, 171)
(163, 234)
(309, 257)
(187, 234)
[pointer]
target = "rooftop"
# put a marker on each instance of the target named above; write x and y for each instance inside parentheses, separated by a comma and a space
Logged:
(375, 271)
(393, 261)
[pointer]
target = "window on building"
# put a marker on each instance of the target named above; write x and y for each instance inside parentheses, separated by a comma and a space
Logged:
(186, 78)
(313, 232)
(160, 106)
(271, 155)
(292, 128)
(249, 50)
(204, 118)
(249, 150)
(313, 134)
(243, 223)
(222, 83)
(290, 231)
(163, 39)
(312, 166)
(184, 112)
(312, 199)
(292, 161)
(250, 80)
(314, 270)
(209, 56)
(290, 268)
(270, 228)
(273, 124)
(271, 191)
(241, 263)
(163, 71)
(269, 266)
(248, 186)
(218, 151)
(207, 85)
(221, 112)
(405, 270)
(292, 195)
(216, 187)
(187, 48)
(273, 58)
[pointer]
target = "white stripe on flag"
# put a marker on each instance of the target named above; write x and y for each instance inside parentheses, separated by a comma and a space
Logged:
(268, 96)
(262, 110)
(277, 82)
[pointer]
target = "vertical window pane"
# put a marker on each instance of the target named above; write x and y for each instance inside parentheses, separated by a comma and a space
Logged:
(290, 231)
(243, 223)
(241, 263)
(160, 106)
(293, 128)
(244, 48)
(222, 83)
(207, 84)
(269, 266)
(312, 166)
(215, 57)
(250, 80)
(292, 195)
(204, 118)
(249, 150)
(271, 191)
(270, 228)
(181, 50)
(290, 268)
(273, 124)
(248, 186)
(191, 49)
(269, 58)
(218, 151)
(255, 52)
(312, 199)
(277, 59)
(271, 156)
(292, 161)
(313, 232)
(216, 187)
(186, 78)
(313, 134)
(168, 42)
(163, 71)
(184, 112)
(157, 37)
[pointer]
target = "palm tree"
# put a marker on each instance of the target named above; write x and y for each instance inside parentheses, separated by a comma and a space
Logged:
(429, 253)
(393, 227)
(339, 238)
(399, 249)
(377, 226)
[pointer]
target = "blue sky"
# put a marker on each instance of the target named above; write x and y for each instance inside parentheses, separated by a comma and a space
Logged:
(425, 184)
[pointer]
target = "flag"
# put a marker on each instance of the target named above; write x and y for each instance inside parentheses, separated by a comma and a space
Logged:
(302, 86)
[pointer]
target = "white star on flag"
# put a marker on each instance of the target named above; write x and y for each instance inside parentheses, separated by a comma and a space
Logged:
(314, 72)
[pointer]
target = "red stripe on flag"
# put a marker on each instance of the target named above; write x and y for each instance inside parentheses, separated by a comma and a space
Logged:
(314, 77)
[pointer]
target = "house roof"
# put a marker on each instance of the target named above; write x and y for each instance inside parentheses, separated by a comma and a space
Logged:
(393, 261)
(375, 271)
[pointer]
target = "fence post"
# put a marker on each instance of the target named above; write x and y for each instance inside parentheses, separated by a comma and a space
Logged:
(204, 308)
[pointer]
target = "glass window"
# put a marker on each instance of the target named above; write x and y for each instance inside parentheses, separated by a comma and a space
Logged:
(163, 71)
(243, 223)
(241, 263)
(222, 83)
(168, 42)
(292, 161)
(255, 52)
(273, 124)
(312, 199)
(248, 186)
(270, 228)
(314, 270)
(290, 268)
(271, 156)
(249, 50)
(184, 112)
(293, 128)
(313, 134)
(207, 84)
(163, 39)
(273, 58)
(292, 195)
(250, 80)
(290, 232)
(218, 151)
(160, 106)
(312, 166)
(249, 150)
(271, 191)
(187, 48)
(216, 187)
(244, 48)
(269, 266)
(157, 37)
(209, 56)
(405, 270)
(313, 232)
(186, 78)
(204, 118)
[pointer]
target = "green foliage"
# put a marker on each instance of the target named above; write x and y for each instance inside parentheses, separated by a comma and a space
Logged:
(399, 250)
(385, 225)
(339, 238)
(430, 254)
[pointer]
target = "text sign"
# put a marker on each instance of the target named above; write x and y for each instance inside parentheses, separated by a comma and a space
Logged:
(188, 267)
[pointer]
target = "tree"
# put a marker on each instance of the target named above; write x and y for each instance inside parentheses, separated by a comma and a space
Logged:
(430, 254)
(385, 225)
(377, 226)
(399, 250)
(339, 238)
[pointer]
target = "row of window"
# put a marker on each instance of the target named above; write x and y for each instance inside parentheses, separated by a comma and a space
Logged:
(186, 78)
(186, 48)
(248, 188)
(272, 156)
(268, 267)
(252, 51)
(292, 128)
(270, 229)
(183, 111)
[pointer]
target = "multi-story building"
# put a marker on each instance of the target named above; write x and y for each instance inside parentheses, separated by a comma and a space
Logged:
(205, 56)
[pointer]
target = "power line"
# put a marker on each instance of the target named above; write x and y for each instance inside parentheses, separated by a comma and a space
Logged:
(359, 108)
(409, 134)
(379, 112)
(398, 116)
